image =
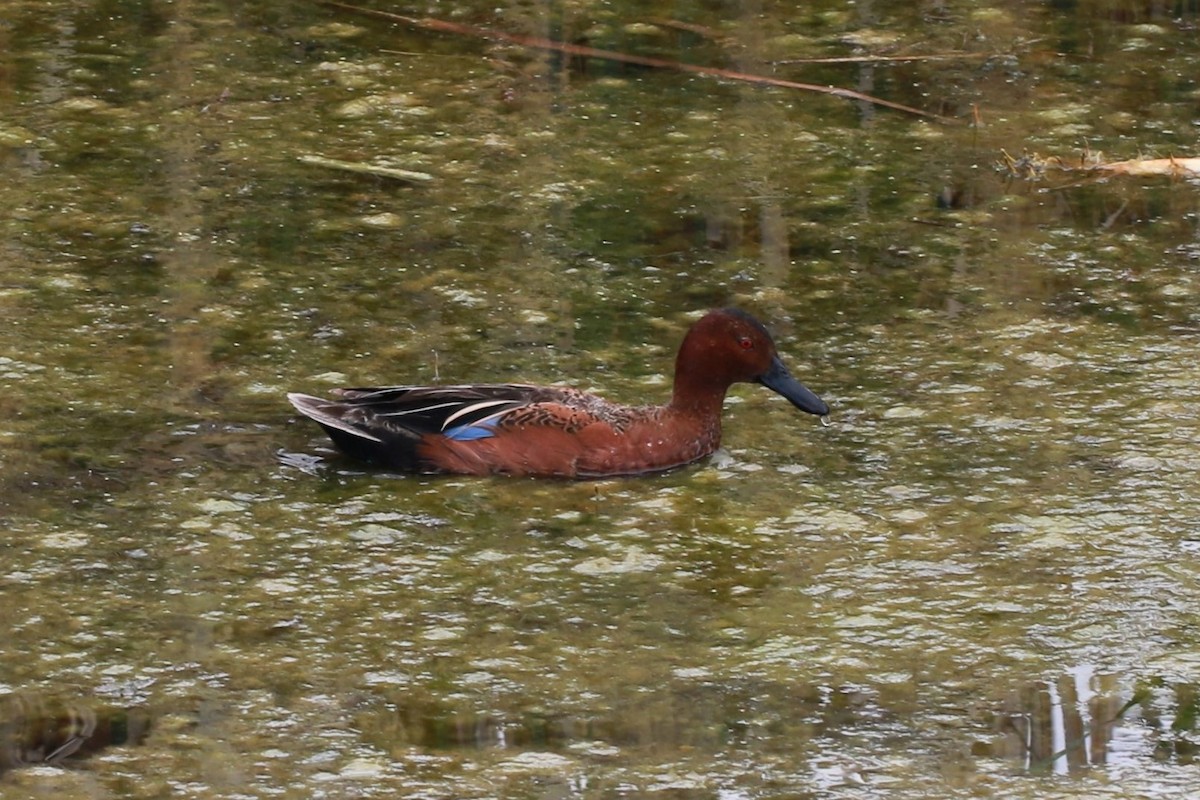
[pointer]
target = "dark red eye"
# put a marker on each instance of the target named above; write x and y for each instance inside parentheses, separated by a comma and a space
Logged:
(746, 343)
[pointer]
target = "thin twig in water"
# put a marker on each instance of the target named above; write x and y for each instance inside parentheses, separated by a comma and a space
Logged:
(873, 59)
(583, 51)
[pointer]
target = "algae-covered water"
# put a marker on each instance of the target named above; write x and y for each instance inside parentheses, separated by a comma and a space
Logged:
(980, 580)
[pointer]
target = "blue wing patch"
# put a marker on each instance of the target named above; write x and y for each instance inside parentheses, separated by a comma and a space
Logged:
(469, 433)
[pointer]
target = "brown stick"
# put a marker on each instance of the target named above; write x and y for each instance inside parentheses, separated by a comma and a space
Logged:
(583, 51)
(884, 59)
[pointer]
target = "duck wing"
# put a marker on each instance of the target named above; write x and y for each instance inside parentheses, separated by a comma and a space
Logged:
(385, 424)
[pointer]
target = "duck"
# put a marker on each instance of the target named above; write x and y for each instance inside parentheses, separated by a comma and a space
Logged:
(558, 432)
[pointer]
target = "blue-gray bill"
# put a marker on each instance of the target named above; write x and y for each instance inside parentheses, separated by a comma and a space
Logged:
(779, 380)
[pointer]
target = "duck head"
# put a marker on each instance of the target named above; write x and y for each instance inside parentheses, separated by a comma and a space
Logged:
(728, 346)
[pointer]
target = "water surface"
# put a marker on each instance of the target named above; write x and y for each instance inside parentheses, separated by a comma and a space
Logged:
(980, 580)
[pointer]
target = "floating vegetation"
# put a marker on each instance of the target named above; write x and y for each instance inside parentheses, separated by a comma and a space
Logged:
(1031, 166)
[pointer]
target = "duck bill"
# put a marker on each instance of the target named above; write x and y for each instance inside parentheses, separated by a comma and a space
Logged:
(779, 380)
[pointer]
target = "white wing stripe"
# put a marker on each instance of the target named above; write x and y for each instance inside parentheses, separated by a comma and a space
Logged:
(473, 408)
(420, 410)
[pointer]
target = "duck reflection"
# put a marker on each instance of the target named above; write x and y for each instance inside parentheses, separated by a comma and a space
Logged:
(36, 730)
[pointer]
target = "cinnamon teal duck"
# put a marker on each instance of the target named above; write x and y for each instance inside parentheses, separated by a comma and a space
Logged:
(550, 431)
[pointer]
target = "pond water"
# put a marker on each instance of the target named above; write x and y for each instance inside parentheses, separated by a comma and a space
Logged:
(980, 580)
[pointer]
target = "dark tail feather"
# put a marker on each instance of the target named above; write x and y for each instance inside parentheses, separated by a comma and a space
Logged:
(395, 451)
(390, 446)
